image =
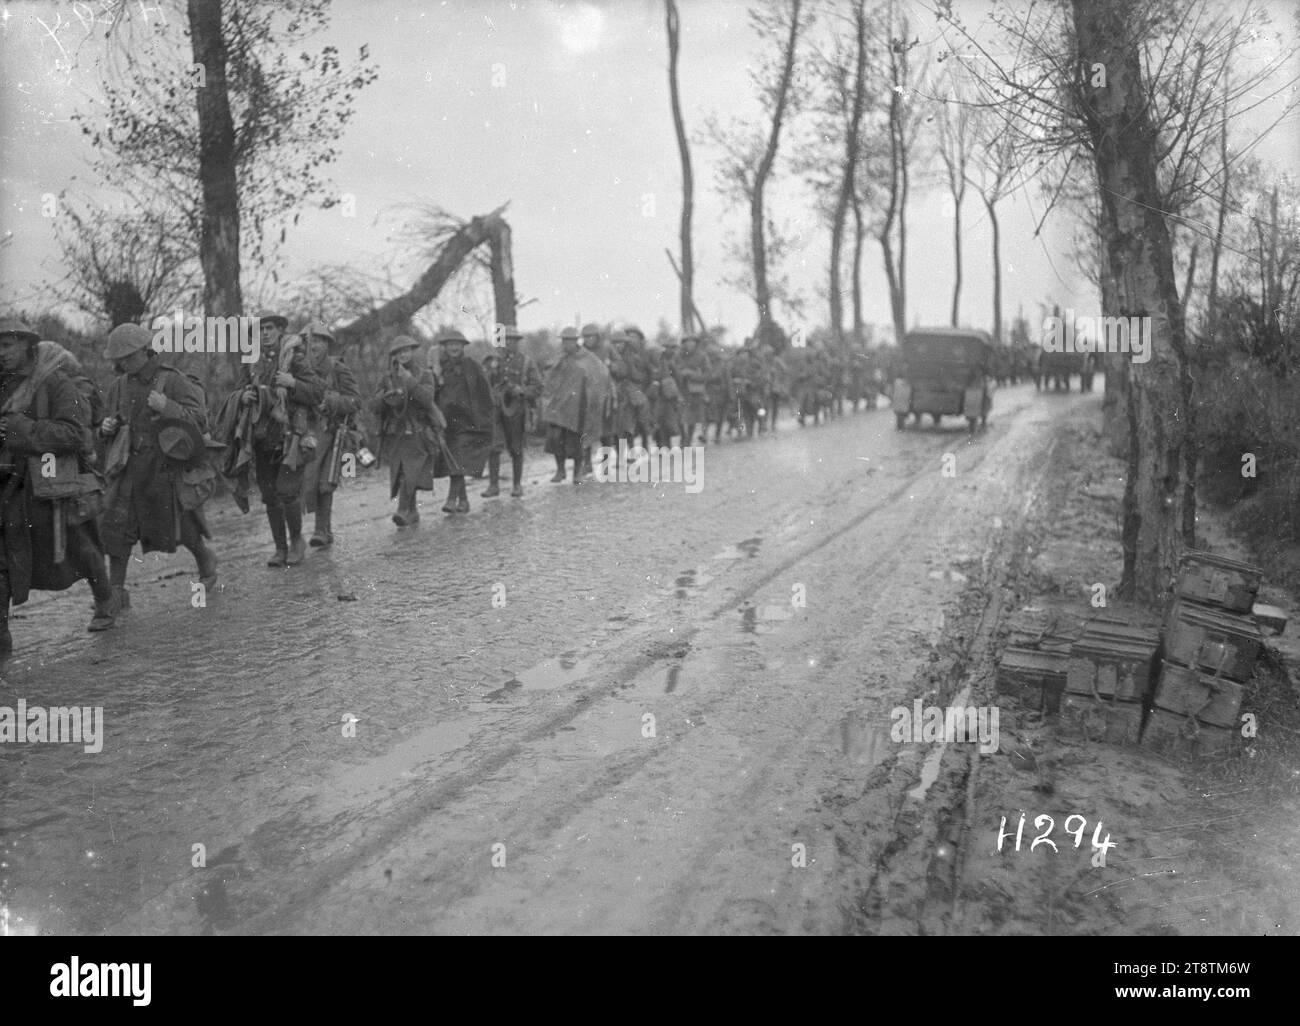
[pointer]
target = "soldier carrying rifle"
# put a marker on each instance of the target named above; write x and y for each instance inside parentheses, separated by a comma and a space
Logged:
(335, 430)
(410, 427)
(279, 398)
(516, 384)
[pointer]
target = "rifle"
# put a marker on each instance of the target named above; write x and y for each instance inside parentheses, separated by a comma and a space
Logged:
(294, 429)
(335, 472)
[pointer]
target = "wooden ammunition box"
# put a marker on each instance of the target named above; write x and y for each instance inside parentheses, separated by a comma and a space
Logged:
(1218, 581)
(1037, 678)
(1103, 719)
(1112, 659)
(1206, 638)
(1178, 734)
(1212, 700)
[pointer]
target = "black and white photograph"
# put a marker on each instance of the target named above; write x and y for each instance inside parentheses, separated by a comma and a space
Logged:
(651, 468)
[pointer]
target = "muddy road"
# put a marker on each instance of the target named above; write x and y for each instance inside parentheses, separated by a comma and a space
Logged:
(613, 708)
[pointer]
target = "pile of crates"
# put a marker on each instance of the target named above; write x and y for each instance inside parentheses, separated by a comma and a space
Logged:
(1211, 644)
(1177, 686)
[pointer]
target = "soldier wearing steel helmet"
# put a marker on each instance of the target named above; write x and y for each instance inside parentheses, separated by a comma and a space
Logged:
(335, 415)
(42, 415)
(144, 499)
(516, 384)
(410, 426)
(281, 393)
(464, 395)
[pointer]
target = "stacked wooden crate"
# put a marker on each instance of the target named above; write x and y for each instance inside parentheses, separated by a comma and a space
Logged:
(1090, 673)
(1108, 679)
(1211, 644)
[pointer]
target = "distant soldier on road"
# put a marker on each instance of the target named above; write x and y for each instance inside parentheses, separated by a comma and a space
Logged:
(410, 426)
(516, 385)
(568, 401)
(464, 395)
(668, 395)
(340, 403)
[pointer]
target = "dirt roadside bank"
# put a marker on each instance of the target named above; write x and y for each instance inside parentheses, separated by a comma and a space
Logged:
(1201, 847)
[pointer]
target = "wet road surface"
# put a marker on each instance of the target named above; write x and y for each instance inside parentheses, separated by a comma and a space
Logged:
(608, 708)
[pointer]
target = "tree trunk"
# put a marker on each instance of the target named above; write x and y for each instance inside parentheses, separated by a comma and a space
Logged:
(848, 169)
(450, 256)
(1139, 257)
(859, 237)
(956, 244)
(997, 270)
(503, 272)
(687, 276)
(1216, 243)
(757, 234)
(219, 231)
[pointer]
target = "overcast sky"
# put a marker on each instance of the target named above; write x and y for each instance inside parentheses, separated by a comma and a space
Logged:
(578, 137)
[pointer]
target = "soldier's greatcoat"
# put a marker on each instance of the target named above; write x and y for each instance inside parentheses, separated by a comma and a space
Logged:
(140, 503)
(465, 397)
(56, 420)
(341, 400)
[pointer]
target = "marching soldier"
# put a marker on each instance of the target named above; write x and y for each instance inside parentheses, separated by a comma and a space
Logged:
(516, 385)
(410, 427)
(593, 352)
(693, 372)
(341, 402)
(567, 401)
(668, 408)
(279, 399)
(143, 502)
(44, 543)
(464, 395)
(638, 375)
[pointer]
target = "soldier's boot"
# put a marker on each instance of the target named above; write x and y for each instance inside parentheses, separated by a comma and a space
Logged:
(322, 537)
(407, 512)
(206, 561)
(117, 567)
(275, 515)
(577, 471)
(558, 476)
(107, 605)
(462, 496)
(517, 475)
(586, 460)
(494, 476)
(297, 546)
(6, 639)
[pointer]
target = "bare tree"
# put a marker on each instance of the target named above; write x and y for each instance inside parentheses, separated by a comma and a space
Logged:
(686, 274)
(118, 264)
(750, 152)
(956, 149)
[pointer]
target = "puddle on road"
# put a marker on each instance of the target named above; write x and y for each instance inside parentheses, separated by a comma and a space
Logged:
(956, 576)
(746, 549)
(691, 582)
(545, 676)
(930, 769)
(755, 619)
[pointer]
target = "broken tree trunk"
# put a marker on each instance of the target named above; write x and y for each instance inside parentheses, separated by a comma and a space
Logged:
(490, 228)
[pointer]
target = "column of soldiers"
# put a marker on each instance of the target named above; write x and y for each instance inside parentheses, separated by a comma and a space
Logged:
(84, 478)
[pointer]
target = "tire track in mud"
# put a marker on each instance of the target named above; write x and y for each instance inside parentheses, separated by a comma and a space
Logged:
(927, 851)
(367, 838)
(409, 816)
